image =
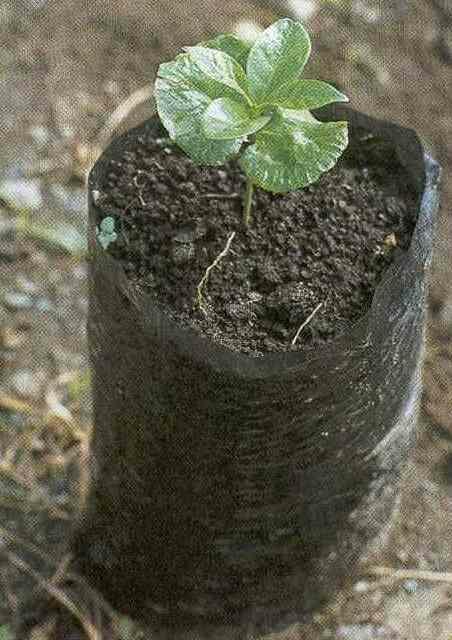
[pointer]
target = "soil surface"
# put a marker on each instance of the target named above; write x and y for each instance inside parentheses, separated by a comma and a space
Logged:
(327, 244)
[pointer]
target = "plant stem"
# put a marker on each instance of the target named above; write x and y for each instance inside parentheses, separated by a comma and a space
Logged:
(248, 202)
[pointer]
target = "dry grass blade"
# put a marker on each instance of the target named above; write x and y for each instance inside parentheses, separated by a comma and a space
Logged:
(411, 574)
(60, 569)
(58, 594)
(122, 111)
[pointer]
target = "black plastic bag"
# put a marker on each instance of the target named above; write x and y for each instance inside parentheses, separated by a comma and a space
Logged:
(235, 490)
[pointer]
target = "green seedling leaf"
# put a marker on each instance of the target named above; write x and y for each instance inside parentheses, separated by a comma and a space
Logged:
(221, 68)
(182, 95)
(305, 94)
(226, 119)
(224, 92)
(278, 56)
(106, 233)
(293, 151)
(232, 45)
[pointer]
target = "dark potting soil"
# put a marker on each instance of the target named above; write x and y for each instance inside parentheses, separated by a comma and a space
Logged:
(327, 244)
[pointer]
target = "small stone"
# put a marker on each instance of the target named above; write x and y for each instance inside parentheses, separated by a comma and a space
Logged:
(25, 383)
(303, 10)
(187, 187)
(26, 285)
(22, 194)
(361, 632)
(43, 304)
(40, 135)
(410, 586)
(16, 301)
(247, 30)
(182, 253)
(361, 586)
(369, 14)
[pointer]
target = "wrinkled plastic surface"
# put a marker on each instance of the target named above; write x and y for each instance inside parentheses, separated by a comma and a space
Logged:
(222, 483)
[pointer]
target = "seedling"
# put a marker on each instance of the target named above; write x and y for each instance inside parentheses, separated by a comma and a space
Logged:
(106, 233)
(226, 98)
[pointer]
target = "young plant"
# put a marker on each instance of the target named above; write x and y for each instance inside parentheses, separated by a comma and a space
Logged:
(226, 98)
(106, 233)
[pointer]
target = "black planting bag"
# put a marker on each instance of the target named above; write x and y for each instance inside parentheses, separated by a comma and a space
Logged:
(227, 488)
